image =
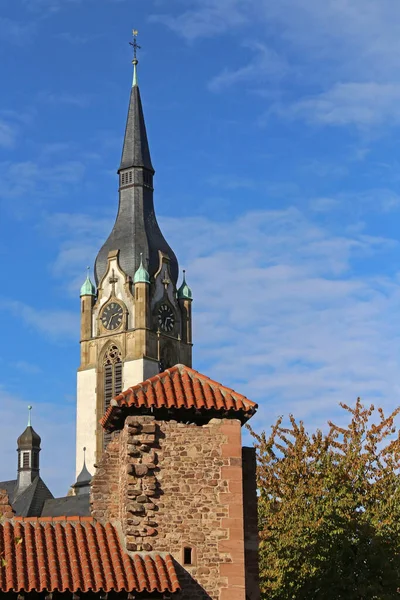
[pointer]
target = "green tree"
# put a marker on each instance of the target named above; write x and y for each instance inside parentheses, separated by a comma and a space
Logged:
(329, 509)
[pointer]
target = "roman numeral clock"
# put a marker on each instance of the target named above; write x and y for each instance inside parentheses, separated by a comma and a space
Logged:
(112, 315)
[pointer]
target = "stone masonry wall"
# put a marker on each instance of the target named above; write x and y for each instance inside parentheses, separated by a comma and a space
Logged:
(6, 511)
(106, 496)
(179, 486)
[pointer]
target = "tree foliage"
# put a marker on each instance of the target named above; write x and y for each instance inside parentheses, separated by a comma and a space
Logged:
(329, 509)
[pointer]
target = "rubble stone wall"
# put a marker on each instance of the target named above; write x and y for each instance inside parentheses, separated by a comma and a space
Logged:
(178, 488)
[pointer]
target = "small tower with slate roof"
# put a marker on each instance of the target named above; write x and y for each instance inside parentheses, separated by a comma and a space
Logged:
(28, 448)
(135, 323)
(82, 485)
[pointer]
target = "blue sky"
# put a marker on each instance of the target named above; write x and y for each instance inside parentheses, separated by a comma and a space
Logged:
(274, 132)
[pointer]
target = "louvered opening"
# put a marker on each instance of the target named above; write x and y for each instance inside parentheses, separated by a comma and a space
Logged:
(112, 382)
(108, 385)
(118, 379)
(25, 460)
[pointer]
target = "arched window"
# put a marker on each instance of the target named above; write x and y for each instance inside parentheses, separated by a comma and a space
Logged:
(112, 380)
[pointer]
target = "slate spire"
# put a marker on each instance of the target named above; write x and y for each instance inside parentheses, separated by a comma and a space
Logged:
(136, 231)
(135, 151)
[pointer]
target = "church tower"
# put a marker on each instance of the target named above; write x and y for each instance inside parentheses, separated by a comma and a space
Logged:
(136, 322)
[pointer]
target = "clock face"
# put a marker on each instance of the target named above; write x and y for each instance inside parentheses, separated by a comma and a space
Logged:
(166, 319)
(112, 316)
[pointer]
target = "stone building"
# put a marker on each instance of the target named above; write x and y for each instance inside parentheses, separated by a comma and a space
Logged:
(165, 501)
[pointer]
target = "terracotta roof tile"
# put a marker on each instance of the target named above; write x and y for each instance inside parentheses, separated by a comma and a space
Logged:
(76, 554)
(179, 388)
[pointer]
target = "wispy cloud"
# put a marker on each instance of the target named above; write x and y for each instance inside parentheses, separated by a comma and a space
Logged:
(39, 182)
(26, 367)
(15, 32)
(349, 50)
(232, 182)
(77, 39)
(359, 104)
(292, 324)
(80, 100)
(379, 200)
(8, 135)
(80, 237)
(206, 19)
(56, 324)
(265, 65)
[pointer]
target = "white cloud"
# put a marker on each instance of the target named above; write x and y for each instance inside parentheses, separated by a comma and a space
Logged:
(349, 50)
(14, 31)
(7, 135)
(79, 100)
(378, 200)
(37, 181)
(57, 324)
(26, 367)
(81, 236)
(280, 315)
(206, 18)
(359, 104)
(266, 65)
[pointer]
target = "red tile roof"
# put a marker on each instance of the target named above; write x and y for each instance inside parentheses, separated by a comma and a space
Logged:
(76, 554)
(176, 389)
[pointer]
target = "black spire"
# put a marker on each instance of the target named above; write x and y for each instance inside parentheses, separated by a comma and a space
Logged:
(136, 230)
(135, 152)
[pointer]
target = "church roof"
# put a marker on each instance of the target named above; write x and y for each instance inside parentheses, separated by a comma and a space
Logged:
(179, 392)
(73, 554)
(30, 502)
(70, 506)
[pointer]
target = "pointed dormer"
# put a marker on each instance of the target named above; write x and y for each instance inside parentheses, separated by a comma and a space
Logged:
(28, 456)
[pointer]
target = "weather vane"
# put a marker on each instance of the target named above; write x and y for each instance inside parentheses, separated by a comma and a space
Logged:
(135, 45)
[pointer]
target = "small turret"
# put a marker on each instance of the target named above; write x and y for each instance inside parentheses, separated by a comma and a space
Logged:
(82, 484)
(141, 275)
(88, 297)
(28, 456)
(141, 281)
(185, 299)
(184, 291)
(88, 288)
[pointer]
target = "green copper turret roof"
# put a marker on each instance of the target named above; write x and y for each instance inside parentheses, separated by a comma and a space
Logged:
(88, 289)
(184, 291)
(141, 275)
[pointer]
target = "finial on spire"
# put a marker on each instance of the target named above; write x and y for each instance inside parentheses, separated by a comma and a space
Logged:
(135, 61)
(88, 288)
(141, 275)
(184, 292)
(29, 416)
